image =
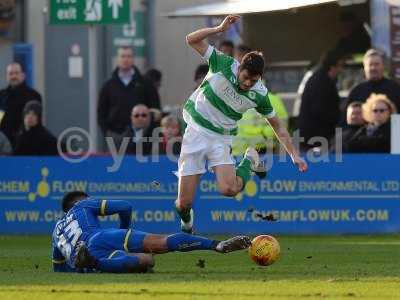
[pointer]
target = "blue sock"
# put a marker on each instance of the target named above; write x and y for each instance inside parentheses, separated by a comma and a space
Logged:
(186, 242)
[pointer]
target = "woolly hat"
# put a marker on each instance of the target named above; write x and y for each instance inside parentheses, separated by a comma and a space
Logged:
(33, 106)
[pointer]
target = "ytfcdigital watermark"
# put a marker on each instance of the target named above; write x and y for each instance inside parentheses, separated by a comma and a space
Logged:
(75, 145)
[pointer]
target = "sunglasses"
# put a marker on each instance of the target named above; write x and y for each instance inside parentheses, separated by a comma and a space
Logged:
(140, 115)
(380, 110)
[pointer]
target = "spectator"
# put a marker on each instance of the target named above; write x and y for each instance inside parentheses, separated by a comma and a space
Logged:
(13, 100)
(300, 90)
(200, 74)
(171, 136)
(240, 51)
(5, 145)
(121, 93)
(375, 136)
(154, 76)
(140, 129)
(34, 139)
(226, 47)
(319, 110)
(354, 121)
(375, 81)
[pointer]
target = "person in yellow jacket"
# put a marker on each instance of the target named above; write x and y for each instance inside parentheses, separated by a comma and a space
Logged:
(253, 130)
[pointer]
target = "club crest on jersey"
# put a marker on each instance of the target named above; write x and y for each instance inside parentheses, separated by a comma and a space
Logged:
(252, 95)
(233, 79)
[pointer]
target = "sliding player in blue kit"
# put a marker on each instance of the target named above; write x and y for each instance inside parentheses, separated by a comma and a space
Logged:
(80, 244)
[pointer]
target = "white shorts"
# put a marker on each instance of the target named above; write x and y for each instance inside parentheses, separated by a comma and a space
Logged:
(199, 148)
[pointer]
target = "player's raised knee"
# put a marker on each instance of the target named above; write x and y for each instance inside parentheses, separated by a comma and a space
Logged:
(229, 190)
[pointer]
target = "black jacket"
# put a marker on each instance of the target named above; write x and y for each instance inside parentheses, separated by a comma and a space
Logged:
(36, 141)
(378, 142)
(319, 110)
(117, 100)
(347, 134)
(146, 144)
(362, 91)
(12, 101)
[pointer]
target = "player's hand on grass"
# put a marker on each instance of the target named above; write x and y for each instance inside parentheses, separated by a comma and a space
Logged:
(226, 23)
(300, 163)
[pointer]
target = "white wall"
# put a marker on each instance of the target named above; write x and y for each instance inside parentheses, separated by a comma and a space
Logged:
(171, 55)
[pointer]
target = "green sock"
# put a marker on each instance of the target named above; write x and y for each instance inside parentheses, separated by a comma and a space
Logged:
(244, 171)
(184, 214)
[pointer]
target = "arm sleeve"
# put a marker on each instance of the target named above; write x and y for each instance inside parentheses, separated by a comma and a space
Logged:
(265, 107)
(59, 262)
(110, 207)
(38, 97)
(152, 96)
(216, 60)
(103, 109)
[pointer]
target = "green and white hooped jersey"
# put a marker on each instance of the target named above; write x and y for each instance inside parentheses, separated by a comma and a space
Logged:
(217, 105)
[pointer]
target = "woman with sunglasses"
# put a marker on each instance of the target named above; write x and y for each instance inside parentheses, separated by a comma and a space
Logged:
(375, 136)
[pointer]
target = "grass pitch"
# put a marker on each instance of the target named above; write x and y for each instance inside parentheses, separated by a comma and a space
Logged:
(366, 267)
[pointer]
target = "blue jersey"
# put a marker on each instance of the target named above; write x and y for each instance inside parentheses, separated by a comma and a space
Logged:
(80, 224)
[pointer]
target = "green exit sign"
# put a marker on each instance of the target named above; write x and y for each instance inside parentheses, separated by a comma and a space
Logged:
(89, 12)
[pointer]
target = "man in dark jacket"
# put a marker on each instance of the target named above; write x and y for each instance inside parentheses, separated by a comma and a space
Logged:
(13, 100)
(319, 110)
(34, 139)
(376, 82)
(354, 121)
(121, 93)
(140, 131)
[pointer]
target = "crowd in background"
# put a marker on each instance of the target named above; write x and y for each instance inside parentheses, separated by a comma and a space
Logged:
(130, 109)
(365, 121)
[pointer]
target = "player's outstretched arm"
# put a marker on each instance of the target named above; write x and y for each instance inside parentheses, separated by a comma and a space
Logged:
(284, 138)
(120, 207)
(196, 39)
(59, 262)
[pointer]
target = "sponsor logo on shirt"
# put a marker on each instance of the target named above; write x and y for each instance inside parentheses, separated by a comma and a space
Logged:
(232, 95)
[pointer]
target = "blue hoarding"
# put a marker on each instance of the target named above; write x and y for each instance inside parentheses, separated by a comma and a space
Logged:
(359, 195)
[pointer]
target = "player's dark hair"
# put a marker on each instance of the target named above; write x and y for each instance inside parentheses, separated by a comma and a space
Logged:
(253, 62)
(69, 199)
(201, 71)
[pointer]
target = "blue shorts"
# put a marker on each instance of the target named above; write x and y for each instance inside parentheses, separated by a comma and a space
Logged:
(111, 242)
